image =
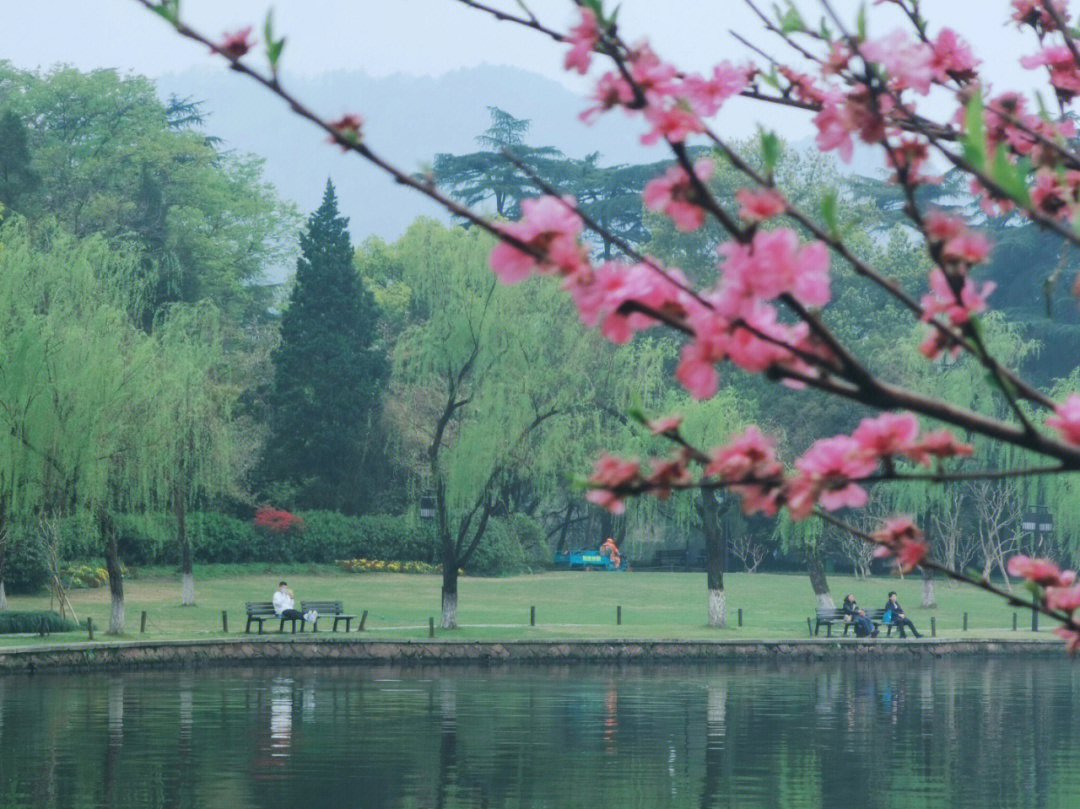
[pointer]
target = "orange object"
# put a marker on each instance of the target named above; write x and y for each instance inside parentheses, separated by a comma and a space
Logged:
(609, 548)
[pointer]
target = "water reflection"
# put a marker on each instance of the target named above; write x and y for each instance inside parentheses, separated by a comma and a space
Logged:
(973, 733)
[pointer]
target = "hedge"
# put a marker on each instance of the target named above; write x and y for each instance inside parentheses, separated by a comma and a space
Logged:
(12, 622)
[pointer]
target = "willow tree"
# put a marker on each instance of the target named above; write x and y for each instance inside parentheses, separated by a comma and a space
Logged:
(492, 375)
(191, 443)
(77, 392)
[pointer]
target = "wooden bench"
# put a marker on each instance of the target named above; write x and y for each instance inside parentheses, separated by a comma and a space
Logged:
(326, 608)
(261, 611)
(828, 617)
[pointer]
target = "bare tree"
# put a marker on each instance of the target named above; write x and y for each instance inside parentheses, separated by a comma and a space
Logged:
(997, 507)
(748, 550)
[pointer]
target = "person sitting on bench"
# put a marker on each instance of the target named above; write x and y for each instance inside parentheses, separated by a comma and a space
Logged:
(862, 625)
(284, 605)
(894, 614)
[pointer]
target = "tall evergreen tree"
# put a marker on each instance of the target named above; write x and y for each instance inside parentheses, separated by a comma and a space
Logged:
(328, 374)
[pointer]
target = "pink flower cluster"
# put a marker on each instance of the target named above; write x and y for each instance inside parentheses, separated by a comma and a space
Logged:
(1063, 70)
(1033, 13)
(610, 473)
(750, 456)
(1066, 419)
(673, 104)
(900, 537)
(582, 38)
(1059, 592)
(674, 194)
(552, 228)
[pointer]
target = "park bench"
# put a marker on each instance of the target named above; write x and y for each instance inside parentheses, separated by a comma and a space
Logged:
(828, 617)
(260, 611)
(326, 608)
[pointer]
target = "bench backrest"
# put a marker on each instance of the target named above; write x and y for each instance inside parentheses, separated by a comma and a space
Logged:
(326, 607)
(876, 615)
(825, 614)
(260, 608)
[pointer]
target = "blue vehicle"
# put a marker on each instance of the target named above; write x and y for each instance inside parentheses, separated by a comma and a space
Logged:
(587, 560)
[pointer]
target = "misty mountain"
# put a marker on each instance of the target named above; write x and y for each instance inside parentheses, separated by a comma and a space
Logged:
(408, 120)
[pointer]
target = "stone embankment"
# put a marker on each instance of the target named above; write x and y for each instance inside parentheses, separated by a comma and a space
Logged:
(125, 655)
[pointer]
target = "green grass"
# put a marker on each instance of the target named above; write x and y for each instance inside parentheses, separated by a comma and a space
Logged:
(568, 605)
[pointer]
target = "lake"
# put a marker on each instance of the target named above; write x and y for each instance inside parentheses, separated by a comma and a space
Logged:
(985, 733)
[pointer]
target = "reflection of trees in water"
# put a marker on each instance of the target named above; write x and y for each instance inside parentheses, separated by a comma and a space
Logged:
(986, 733)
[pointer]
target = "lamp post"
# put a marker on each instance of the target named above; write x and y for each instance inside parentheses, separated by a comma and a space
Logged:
(1039, 522)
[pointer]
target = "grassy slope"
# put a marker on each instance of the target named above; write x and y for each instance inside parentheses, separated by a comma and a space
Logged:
(570, 605)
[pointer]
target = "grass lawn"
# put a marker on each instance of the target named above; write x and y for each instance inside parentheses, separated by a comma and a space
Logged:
(568, 605)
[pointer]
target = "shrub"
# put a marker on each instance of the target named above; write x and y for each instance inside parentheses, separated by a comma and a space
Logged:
(84, 576)
(511, 545)
(380, 566)
(277, 520)
(30, 621)
(26, 569)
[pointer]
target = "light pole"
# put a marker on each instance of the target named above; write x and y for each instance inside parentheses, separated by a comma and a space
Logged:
(1039, 522)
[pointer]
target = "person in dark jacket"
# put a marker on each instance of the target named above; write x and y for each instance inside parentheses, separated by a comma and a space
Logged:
(894, 613)
(863, 626)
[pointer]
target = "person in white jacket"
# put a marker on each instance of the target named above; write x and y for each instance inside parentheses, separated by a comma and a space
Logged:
(284, 606)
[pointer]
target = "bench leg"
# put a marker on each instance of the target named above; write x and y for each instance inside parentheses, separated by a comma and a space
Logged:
(828, 630)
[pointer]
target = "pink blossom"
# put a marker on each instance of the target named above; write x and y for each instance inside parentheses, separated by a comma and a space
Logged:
(697, 362)
(1071, 638)
(746, 454)
(888, 434)
(667, 473)
(757, 205)
(834, 128)
(237, 44)
(1040, 571)
(706, 96)
(665, 425)
(776, 263)
(1034, 13)
(551, 227)
(655, 78)
(938, 444)
(1058, 60)
(673, 122)
(908, 61)
(802, 87)
(612, 90)
(1066, 419)
(942, 298)
(968, 246)
(940, 226)
(610, 472)
(582, 38)
(1063, 598)
(952, 57)
(674, 194)
(834, 463)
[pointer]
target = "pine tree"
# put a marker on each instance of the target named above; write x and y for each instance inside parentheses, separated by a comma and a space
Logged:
(328, 374)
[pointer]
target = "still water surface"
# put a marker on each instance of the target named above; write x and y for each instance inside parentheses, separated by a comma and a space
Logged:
(945, 733)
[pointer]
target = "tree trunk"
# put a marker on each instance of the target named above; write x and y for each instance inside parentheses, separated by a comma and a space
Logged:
(928, 599)
(3, 596)
(818, 580)
(565, 527)
(187, 586)
(116, 578)
(449, 594)
(714, 560)
(3, 547)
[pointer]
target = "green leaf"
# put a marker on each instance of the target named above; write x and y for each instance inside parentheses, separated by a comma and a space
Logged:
(273, 46)
(1012, 177)
(791, 20)
(860, 22)
(770, 149)
(636, 411)
(974, 138)
(772, 77)
(169, 9)
(828, 212)
(596, 6)
(825, 31)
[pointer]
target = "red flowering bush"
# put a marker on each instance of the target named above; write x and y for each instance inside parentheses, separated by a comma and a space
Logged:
(277, 520)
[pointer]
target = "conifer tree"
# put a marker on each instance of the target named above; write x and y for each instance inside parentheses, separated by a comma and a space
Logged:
(328, 374)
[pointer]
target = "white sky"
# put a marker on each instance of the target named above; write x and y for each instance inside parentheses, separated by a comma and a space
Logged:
(431, 37)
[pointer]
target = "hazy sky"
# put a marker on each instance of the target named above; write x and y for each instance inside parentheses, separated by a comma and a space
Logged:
(432, 37)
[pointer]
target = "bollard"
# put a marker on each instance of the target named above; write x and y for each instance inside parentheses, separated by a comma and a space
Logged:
(142, 622)
(1014, 622)
(965, 622)
(1034, 620)
(431, 627)
(363, 619)
(933, 626)
(532, 616)
(224, 622)
(740, 617)
(618, 615)
(90, 627)
(809, 627)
